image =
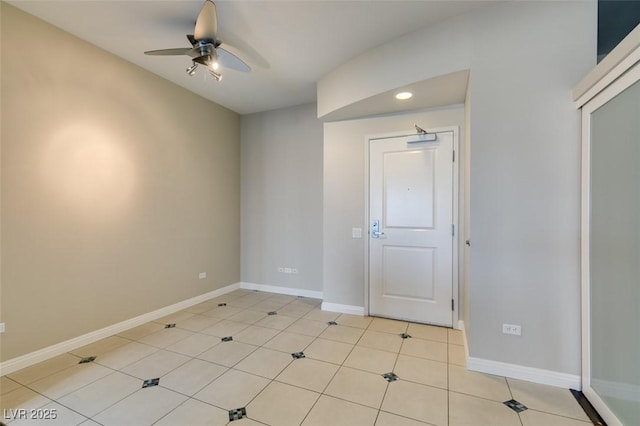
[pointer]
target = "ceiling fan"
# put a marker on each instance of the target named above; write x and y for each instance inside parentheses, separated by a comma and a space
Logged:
(206, 48)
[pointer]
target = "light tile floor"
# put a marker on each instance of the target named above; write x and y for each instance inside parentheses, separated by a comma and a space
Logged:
(339, 381)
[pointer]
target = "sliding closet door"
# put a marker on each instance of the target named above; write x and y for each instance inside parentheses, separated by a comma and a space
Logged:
(611, 286)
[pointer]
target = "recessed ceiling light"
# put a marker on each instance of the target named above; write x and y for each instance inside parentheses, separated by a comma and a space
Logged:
(404, 95)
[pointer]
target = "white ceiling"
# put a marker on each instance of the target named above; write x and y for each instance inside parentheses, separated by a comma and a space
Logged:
(289, 44)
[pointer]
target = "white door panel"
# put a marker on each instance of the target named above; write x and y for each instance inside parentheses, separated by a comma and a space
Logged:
(411, 259)
(408, 272)
(408, 188)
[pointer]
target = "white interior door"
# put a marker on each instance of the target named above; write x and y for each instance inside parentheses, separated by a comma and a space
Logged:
(411, 235)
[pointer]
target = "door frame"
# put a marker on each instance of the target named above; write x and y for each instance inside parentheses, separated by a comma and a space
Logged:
(459, 232)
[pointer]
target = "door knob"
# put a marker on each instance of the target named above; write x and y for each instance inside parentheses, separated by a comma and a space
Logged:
(375, 229)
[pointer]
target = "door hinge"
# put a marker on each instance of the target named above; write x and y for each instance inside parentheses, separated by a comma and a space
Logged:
(454, 155)
(452, 305)
(453, 230)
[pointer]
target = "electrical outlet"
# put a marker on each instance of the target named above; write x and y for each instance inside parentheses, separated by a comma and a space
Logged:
(515, 330)
(1, 327)
(287, 270)
(202, 275)
(280, 269)
(294, 271)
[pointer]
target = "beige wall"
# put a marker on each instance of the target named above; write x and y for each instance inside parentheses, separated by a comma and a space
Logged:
(118, 188)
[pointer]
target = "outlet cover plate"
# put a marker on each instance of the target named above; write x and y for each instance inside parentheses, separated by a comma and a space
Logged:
(512, 329)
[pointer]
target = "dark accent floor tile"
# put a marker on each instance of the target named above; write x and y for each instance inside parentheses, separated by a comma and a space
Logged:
(237, 414)
(87, 359)
(151, 382)
(515, 405)
(390, 377)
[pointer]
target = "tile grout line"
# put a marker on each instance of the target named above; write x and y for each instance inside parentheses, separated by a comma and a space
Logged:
(239, 361)
(55, 401)
(113, 371)
(159, 348)
(280, 331)
(48, 375)
(129, 375)
(513, 397)
(271, 380)
(172, 390)
(334, 375)
(448, 385)
(189, 397)
(384, 395)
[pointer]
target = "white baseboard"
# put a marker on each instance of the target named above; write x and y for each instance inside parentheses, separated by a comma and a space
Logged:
(282, 290)
(343, 309)
(530, 374)
(40, 355)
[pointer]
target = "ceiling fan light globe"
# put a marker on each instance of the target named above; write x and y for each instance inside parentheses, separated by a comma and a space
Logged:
(192, 69)
(216, 75)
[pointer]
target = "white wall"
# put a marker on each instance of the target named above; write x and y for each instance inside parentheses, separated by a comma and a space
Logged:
(524, 57)
(525, 186)
(281, 186)
(344, 195)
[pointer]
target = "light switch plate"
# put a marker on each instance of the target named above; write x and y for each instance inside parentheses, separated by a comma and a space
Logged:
(1, 327)
(356, 232)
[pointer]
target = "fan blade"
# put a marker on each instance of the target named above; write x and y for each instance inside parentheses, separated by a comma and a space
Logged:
(241, 49)
(229, 60)
(207, 22)
(167, 52)
(191, 39)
